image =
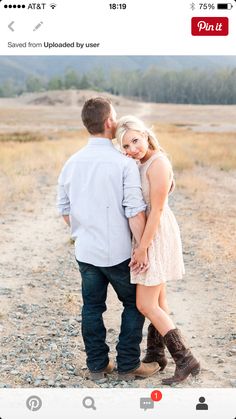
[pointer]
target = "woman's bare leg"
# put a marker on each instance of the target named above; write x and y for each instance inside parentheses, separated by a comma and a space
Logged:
(186, 364)
(162, 300)
(147, 303)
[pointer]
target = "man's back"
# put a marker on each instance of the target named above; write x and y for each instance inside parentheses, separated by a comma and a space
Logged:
(99, 187)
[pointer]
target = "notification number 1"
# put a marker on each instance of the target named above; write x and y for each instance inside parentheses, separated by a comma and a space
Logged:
(156, 395)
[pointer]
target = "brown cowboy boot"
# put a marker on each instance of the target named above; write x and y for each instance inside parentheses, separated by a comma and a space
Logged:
(155, 351)
(185, 362)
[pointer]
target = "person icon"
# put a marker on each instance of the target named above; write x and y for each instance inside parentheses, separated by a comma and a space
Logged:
(202, 405)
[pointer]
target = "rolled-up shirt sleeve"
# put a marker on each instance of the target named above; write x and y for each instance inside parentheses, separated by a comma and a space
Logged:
(133, 201)
(63, 201)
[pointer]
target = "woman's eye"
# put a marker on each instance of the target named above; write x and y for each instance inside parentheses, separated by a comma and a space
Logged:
(135, 140)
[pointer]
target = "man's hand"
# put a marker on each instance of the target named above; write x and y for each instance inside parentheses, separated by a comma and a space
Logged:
(66, 219)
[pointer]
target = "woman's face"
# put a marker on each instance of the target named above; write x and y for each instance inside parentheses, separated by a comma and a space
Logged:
(135, 144)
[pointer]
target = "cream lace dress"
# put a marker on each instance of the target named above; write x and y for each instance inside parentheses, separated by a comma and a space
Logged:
(165, 252)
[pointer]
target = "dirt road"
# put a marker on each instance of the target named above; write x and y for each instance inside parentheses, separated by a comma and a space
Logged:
(41, 343)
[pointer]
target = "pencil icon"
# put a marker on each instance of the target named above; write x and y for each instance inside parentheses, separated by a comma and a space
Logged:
(38, 26)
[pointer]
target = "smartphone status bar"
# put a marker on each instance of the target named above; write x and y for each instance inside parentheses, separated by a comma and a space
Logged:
(122, 28)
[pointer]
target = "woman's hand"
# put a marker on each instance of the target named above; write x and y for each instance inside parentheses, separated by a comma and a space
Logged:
(139, 262)
(140, 255)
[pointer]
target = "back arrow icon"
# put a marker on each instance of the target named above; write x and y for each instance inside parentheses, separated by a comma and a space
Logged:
(10, 26)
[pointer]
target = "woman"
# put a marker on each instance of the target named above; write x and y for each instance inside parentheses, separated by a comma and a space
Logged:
(160, 246)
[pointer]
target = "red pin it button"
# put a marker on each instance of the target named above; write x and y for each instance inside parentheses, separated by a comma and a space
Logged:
(210, 26)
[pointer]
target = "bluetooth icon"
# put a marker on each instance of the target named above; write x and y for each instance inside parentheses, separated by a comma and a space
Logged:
(192, 6)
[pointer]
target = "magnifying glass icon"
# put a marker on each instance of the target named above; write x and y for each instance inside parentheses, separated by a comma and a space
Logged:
(89, 403)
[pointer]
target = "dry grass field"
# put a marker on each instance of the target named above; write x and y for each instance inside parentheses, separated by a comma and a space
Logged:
(36, 139)
(37, 134)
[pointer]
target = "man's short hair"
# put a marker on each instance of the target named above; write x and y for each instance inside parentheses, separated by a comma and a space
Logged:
(94, 113)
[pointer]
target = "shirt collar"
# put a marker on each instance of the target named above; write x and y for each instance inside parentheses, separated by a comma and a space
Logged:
(100, 141)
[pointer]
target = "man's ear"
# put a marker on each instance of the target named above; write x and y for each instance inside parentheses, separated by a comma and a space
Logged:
(107, 123)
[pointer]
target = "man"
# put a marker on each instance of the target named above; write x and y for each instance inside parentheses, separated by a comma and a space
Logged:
(100, 197)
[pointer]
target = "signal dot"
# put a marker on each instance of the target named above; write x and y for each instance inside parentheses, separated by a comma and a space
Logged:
(19, 6)
(10, 6)
(23, 6)
(5, 5)
(14, 6)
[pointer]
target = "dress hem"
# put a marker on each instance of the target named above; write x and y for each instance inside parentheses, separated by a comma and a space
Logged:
(147, 284)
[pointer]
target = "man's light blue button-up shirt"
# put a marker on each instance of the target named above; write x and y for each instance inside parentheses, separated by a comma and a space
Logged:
(100, 188)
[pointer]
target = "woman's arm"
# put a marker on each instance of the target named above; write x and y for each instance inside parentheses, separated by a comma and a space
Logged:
(158, 176)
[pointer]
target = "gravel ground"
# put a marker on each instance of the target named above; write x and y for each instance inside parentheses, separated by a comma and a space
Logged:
(40, 289)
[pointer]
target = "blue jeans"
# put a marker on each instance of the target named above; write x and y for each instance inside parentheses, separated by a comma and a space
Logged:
(95, 281)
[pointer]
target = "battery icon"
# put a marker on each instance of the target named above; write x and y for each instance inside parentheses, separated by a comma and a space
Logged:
(224, 6)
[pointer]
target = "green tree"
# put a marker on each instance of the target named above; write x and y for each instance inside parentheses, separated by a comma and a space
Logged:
(7, 89)
(97, 80)
(55, 83)
(34, 84)
(71, 79)
(84, 83)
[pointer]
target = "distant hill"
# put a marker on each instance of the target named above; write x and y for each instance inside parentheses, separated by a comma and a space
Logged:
(19, 68)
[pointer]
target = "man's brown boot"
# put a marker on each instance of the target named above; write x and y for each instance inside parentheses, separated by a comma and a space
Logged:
(143, 371)
(155, 351)
(185, 362)
(101, 374)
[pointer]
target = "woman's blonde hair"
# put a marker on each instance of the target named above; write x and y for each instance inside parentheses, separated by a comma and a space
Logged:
(130, 122)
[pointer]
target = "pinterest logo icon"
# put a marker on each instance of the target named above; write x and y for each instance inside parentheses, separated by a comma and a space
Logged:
(34, 403)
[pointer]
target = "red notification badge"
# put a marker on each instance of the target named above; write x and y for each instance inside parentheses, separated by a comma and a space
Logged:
(156, 395)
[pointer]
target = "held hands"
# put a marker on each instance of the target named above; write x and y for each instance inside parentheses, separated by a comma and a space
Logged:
(139, 262)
